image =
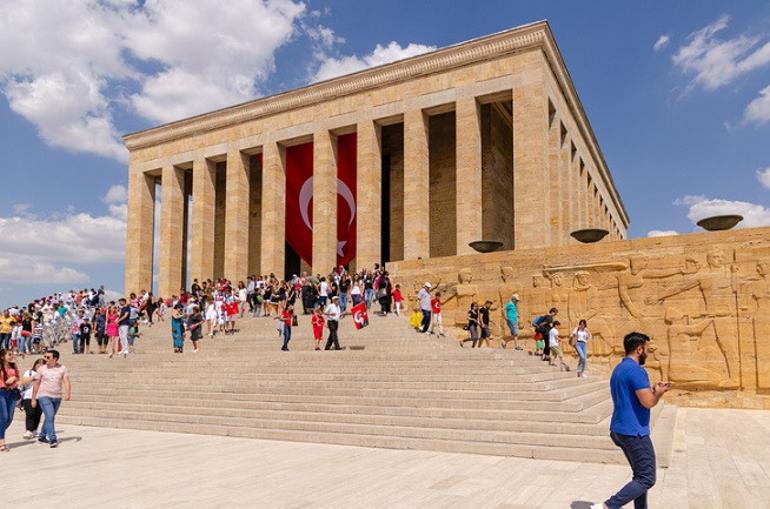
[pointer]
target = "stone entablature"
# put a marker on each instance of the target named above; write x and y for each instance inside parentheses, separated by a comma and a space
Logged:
(703, 298)
(560, 179)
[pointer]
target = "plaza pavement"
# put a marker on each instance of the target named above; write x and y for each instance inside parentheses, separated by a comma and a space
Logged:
(721, 459)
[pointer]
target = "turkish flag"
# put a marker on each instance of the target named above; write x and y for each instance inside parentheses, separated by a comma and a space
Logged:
(299, 199)
(360, 316)
(346, 198)
(299, 205)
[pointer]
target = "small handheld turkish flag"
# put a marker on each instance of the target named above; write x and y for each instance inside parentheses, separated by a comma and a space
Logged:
(360, 316)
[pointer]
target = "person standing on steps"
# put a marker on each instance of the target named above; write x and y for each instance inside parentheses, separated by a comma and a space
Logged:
(436, 321)
(424, 298)
(484, 322)
(553, 342)
(473, 325)
(52, 384)
(633, 397)
(332, 314)
(542, 326)
(318, 322)
(9, 393)
(195, 326)
(32, 414)
(177, 328)
(512, 320)
(287, 316)
(579, 339)
(124, 322)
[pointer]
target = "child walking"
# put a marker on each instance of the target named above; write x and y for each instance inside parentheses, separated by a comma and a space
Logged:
(553, 342)
(398, 299)
(435, 305)
(318, 321)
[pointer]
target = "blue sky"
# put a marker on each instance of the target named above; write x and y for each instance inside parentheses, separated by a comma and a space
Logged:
(684, 124)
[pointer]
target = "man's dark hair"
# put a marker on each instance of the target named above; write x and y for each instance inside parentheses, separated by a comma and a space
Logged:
(553, 311)
(55, 354)
(634, 340)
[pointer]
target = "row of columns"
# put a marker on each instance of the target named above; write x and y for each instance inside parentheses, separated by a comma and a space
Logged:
(529, 161)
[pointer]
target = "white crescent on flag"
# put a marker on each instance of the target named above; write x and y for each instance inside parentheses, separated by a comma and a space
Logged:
(306, 193)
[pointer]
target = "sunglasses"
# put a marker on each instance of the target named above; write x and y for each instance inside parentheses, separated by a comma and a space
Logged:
(48, 357)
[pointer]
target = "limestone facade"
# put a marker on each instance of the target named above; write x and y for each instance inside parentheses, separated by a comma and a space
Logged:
(482, 139)
(703, 298)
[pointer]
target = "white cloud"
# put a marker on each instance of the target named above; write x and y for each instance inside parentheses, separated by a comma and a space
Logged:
(662, 233)
(36, 250)
(758, 110)
(67, 68)
(714, 62)
(214, 53)
(21, 208)
(116, 194)
(331, 67)
(31, 271)
(764, 177)
(73, 237)
(701, 207)
(662, 42)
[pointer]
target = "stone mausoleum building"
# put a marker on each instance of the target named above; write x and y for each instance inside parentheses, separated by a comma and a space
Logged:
(486, 139)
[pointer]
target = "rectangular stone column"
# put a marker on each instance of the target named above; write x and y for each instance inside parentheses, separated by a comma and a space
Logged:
(368, 195)
(139, 231)
(416, 186)
(170, 278)
(203, 214)
(563, 183)
(468, 176)
(324, 202)
(237, 215)
(551, 177)
(530, 135)
(273, 210)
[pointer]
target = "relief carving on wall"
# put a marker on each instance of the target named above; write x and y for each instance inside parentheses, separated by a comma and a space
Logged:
(707, 312)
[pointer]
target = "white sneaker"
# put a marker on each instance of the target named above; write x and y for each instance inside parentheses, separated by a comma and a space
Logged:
(28, 435)
(600, 505)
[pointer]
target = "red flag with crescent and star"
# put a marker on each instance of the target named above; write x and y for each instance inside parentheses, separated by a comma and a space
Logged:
(299, 199)
(360, 316)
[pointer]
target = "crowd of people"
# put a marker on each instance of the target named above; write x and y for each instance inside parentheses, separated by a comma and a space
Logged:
(217, 305)
(427, 319)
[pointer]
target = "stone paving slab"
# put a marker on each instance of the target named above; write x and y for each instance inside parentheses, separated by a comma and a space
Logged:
(720, 460)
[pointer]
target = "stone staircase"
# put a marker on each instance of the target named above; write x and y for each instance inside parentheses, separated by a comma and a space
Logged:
(390, 387)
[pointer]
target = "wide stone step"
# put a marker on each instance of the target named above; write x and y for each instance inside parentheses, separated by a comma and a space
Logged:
(575, 453)
(348, 366)
(576, 404)
(440, 433)
(592, 415)
(530, 382)
(442, 390)
(491, 424)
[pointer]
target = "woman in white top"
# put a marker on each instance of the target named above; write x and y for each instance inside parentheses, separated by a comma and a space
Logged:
(33, 414)
(579, 338)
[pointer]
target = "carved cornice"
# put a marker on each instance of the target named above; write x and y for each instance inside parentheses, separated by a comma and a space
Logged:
(485, 48)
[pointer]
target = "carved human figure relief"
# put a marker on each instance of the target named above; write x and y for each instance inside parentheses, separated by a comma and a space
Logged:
(690, 360)
(759, 291)
(717, 285)
(463, 293)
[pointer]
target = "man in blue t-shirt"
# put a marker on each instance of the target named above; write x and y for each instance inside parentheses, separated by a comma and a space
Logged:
(633, 397)
(512, 320)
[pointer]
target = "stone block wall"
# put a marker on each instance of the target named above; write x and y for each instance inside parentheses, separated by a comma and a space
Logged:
(704, 299)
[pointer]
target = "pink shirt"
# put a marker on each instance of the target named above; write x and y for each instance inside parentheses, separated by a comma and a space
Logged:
(51, 381)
